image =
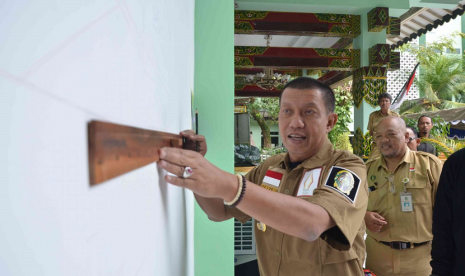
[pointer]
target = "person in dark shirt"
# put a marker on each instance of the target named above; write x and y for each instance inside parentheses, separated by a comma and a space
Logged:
(448, 248)
(425, 124)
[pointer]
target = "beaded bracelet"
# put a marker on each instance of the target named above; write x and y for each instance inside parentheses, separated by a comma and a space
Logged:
(241, 196)
(240, 192)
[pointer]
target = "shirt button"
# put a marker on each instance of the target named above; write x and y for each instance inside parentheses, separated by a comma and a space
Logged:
(390, 208)
(392, 225)
(413, 185)
(276, 253)
(286, 191)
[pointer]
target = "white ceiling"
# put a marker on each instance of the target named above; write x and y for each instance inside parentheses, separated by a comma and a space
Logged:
(285, 41)
(419, 20)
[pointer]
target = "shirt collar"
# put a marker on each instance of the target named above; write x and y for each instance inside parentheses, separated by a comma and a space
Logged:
(407, 158)
(389, 113)
(324, 153)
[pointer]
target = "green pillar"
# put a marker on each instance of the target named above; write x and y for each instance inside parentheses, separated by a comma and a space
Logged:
(462, 18)
(422, 39)
(214, 99)
(364, 42)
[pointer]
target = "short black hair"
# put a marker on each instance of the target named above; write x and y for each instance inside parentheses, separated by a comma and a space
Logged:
(422, 116)
(415, 132)
(385, 95)
(309, 83)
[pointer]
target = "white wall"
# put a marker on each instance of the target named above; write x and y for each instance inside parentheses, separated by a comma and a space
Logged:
(62, 64)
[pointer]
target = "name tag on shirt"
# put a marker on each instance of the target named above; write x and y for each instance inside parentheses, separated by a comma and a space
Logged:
(309, 182)
(406, 202)
(272, 180)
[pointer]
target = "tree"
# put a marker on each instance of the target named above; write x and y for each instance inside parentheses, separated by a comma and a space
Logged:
(269, 107)
(442, 77)
(339, 134)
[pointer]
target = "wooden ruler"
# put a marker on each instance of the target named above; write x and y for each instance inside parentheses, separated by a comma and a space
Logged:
(116, 149)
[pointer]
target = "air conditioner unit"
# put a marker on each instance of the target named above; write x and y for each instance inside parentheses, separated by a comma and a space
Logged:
(244, 237)
(244, 245)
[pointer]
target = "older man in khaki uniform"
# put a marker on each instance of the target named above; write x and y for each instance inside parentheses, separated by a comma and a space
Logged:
(309, 203)
(402, 186)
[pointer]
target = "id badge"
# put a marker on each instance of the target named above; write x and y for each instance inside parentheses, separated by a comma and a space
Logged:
(406, 202)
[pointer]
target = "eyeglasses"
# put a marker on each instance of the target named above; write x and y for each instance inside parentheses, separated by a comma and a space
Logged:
(410, 139)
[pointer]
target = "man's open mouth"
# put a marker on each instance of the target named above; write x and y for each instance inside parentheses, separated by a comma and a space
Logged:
(296, 137)
(385, 146)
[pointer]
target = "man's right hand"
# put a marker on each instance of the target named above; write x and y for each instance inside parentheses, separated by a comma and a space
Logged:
(190, 134)
(374, 221)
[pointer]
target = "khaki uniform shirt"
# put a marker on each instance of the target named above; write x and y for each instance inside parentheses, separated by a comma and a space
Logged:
(376, 116)
(338, 251)
(420, 171)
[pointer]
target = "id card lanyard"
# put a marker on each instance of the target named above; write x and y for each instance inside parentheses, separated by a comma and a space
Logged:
(406, 200)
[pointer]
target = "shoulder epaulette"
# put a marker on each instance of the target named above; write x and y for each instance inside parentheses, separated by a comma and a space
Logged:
(431, 156)
(369, 161)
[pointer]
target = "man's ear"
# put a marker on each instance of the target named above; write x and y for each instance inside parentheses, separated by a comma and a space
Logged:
(332, 119)
(407, 137)
(418, 141)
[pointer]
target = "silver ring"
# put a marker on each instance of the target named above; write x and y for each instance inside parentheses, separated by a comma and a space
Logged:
(187, 172)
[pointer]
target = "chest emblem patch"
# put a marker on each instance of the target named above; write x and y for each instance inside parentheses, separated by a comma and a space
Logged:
(343, 181)
(309, 182)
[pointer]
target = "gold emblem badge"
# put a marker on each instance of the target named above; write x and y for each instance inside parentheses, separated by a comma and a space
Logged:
(261, 226)
(344, 181)
(308, 182)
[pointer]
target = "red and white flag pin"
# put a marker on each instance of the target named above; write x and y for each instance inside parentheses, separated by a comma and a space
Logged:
(412, 169)
(273, 178)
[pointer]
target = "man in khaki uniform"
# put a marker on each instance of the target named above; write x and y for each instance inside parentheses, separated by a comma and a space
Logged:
(384, 102)
(309, 203)
(340, 250)
(402, 186)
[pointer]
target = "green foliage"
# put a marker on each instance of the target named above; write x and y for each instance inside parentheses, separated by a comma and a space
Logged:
(442, 79)
(439, 133)
(339, 135)
(444, 144)
(268, 105)
(341, 141)
(440, 127)
(426, 54)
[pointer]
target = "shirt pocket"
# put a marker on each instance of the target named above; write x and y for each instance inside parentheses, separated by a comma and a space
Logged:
(377, 196)
(419, 188)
